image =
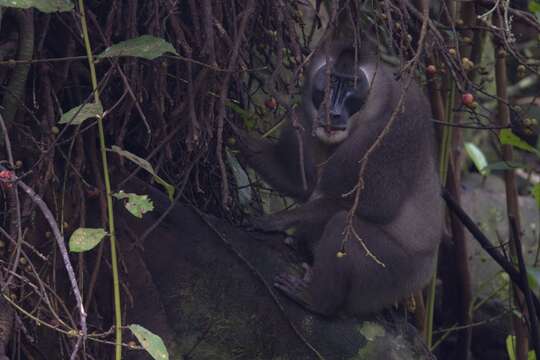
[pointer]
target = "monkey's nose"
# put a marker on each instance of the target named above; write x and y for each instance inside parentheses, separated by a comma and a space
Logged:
(338, 122)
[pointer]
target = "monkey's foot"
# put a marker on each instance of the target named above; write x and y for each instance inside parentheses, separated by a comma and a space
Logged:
(294, 243)
(295, 287)
(291, 241)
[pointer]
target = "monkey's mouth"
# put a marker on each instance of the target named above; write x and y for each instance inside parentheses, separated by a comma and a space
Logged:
(331, 134)
(332, 128)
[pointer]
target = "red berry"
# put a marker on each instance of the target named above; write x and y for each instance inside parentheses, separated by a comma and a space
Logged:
(431, 70)
(5, 177)
(467, 99)
(270, 104)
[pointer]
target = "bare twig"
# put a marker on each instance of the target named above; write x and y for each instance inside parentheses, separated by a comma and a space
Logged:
(61, 245)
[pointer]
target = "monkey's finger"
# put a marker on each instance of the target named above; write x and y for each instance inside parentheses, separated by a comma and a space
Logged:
(294, 288)
(289, 282)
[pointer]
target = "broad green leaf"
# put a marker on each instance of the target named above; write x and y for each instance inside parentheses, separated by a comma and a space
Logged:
(371, 330)
(79, 114)
(510, 349)
(137, 205)
(506, 136)
(242, 181)
(478, 158)
(534, 6)
(47, 6)
(146, 47)
(146, 166)
(150, 342)
(84, 239)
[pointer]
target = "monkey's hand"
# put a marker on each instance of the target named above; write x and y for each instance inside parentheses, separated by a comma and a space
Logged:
(295, 287)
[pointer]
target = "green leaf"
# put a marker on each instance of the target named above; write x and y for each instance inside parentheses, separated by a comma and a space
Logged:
(84, 239)
(536, 193)
(146, 47)
(371, 330)
(478, 158)
(534, 6)
(150, 342)
(506, 136)
(137, 205)
(510, 349)
(242, 180)
(47, 6)
(146, 166)
(79, 114)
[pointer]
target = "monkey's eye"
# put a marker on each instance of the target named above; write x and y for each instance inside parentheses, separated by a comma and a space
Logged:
(353, 103)
(348, 83)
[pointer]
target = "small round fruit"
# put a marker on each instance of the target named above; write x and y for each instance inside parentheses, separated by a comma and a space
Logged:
(530, 122)
(231, 141)
(468, 65)
(270, 103)
(521, 69)
(431, 70)
(467, 99)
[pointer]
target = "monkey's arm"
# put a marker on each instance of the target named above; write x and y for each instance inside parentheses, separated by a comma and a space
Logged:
(278, 163)
(311, 213)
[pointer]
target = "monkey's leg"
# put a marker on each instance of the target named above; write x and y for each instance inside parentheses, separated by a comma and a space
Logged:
(327, 273)
(356, 282)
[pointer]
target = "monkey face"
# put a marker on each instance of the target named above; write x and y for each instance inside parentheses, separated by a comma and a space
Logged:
(347, 92)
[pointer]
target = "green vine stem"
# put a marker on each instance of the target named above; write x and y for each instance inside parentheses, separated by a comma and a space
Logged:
(107, 180)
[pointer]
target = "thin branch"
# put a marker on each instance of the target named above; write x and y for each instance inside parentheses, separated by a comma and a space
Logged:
(48, 215)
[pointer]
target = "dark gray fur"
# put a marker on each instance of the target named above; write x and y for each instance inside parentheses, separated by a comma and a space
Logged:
(399, 217)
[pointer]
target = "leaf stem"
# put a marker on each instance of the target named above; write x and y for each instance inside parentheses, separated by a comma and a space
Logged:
(106, 176)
